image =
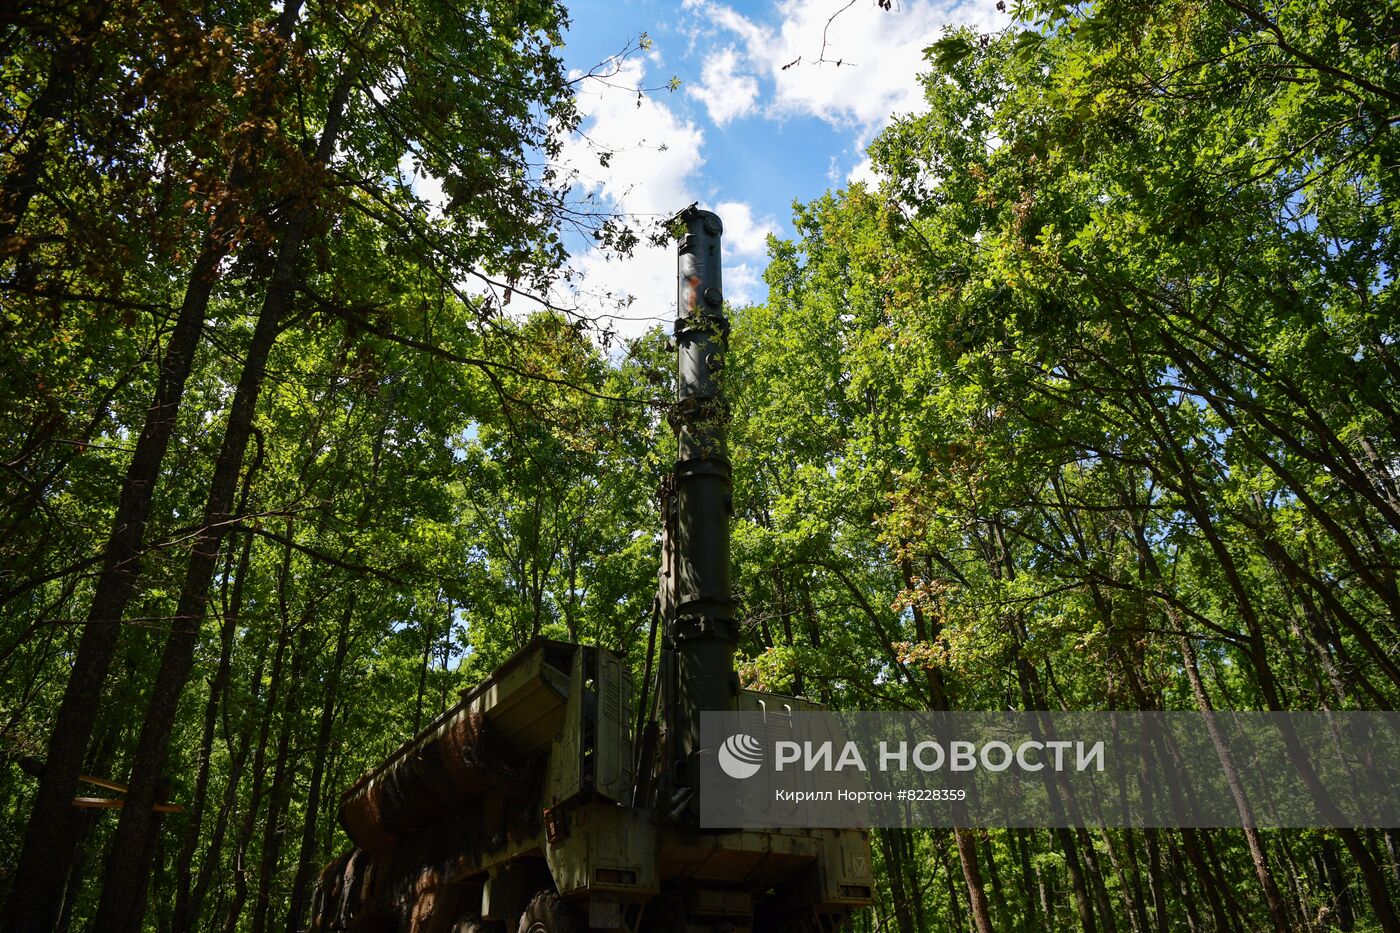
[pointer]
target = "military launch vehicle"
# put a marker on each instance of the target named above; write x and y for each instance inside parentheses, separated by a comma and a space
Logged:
(548, 801)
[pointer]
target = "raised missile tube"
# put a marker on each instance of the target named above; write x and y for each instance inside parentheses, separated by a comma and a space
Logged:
(702, 629)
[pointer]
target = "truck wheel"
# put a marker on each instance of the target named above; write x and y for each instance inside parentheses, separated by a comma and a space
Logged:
(472, 923)
(549, 913)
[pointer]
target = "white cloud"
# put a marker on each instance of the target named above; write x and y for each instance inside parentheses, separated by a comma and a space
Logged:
(881, 54)
(648, 276)
(725, 93)
(864, 171)
(743, 235)
(630, 294)
(652, 153)
(656, 154)
(423, 184)
(743, 283)
(653, 159)
(726, 18)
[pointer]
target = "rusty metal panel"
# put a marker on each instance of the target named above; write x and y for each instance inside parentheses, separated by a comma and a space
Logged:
(524, 701)
(466, 751)
(605, 848)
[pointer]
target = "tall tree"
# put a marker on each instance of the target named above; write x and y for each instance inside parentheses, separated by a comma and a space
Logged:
(50, 836)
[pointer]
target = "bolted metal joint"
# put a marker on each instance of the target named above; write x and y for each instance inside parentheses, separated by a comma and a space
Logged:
(690, 627)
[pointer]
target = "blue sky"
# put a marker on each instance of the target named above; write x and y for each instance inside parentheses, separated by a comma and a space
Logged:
(742, 135)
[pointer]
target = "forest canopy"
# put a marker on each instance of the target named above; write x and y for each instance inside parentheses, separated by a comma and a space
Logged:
(1089, 403)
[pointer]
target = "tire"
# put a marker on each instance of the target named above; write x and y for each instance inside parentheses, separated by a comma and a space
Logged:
(472, 923)
(547, 912)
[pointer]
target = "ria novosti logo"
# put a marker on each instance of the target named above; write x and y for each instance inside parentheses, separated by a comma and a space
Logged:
(740, 756)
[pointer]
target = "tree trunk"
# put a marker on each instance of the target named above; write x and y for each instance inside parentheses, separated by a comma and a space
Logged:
(238, 757)
(426, 631)
(1083, 898)
(446, 658)
(74, 886)
(1295, 883)
(1336, 880)
(1191, 845)
(966, 844)
(49, 837)
(283, 773)
(1047, 903)
(218, 689)
(250, 813)
(123, 892)
(1188, 900)
(997, 894)
(1183, 480)
(894, 875)
(306, 857)
(976, 892)
(1031, 921)
(1031, 699)
(1156, 883)
(1091, 862)
(1129, 881)
(954, 905)
(124, 895)
(1392, 851)
(1278, 914)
